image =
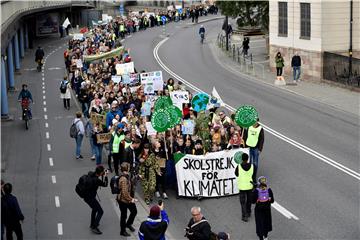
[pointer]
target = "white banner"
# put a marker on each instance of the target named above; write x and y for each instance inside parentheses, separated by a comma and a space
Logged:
(153, 77)
(209, 175)
(124, 68)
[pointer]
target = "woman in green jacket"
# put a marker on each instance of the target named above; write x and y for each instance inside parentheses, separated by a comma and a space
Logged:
(279, 61)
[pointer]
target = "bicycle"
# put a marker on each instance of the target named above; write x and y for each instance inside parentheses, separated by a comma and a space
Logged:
(26, 114)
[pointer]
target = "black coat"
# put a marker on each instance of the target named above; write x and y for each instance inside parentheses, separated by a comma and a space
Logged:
(96, 183)
(263, 219)
(10, 210)
(296, 61)
(201, 231)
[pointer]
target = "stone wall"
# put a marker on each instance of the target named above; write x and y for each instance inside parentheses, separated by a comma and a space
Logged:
(311, 62)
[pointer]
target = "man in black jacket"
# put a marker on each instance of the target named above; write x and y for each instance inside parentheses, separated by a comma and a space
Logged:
(11, 214)
(131, 157)
(90, 197)
(198, 227)
(39, 54)
(296, 65)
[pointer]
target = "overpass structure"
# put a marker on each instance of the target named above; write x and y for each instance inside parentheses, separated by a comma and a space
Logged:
(21, 23)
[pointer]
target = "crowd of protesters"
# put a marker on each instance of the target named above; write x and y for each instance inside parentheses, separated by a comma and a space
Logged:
(149, 158)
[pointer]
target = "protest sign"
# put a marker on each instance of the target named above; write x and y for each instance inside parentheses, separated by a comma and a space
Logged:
(149, 88)
(131, 79)
(179, 97)
(116, 79)
(210, 175)
(161, 120)
(199, 102)
(79, 63)
(113, 53)
(153, 77)
(103, 138)
(150, 130)
(215, 100)
(163, 102)
(188, 127)
(246, 116)
(97, 119)
(146, 109)
(124, 68)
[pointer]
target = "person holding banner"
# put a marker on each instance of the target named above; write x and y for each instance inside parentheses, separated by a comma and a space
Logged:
(255, 140)
(245, 173)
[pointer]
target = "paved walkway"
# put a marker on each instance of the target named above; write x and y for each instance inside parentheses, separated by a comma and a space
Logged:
(337, 97)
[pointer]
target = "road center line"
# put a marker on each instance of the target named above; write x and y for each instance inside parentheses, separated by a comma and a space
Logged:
(47, 135)
(45, 110)
(273, 132)
(44, 97)
(53, 179)
(60, 229)
(51, 162)
(46, 125)
(57, 201)
(46, 117)
(48, 147)
(44, 91)
(44, 102)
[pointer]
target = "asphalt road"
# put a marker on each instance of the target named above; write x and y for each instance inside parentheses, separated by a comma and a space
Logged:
(323, 198)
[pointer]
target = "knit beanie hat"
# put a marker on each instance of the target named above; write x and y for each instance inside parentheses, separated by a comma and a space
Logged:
(154, 212)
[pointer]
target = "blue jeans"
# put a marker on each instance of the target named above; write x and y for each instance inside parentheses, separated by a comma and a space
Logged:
(92, 145)
(296, 72)
(98, 153)
(254, 156)
(79, 139)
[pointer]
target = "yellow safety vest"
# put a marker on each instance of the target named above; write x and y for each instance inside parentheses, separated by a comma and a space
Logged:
(122, 28)
(245, 178)
(253, 136)
(116, 142)
(158, 18)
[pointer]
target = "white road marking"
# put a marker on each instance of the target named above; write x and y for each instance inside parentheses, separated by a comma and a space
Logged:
(284, 211)
(267, 128)
(51, 162)
(48, 147)
(57, 201)
(47, 135)
(44, 97)
(54, 68)
(43, 83)
(46, 117)
(29, 69)
(43, 87)
(45, 109)
(60, 229)
(53, 179)
(46, 125)
(44, 91)
(43, 79)
(44, 102)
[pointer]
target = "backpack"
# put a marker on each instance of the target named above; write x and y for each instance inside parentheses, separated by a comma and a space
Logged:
(114, 185)
(263, 195)
(63, 86)
(84, 185)
(73, 130)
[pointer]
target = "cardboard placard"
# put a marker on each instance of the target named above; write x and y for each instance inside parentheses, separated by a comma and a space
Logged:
(103, 138)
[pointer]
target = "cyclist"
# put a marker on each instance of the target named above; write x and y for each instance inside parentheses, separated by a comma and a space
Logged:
(25, 98)
(39, 55)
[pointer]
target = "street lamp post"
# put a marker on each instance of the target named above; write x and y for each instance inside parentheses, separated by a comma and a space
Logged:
(351, 33)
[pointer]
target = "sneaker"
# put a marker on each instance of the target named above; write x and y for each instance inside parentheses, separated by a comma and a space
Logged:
(131, 228)
(96, 231)
(265, 238)
(157, 194)
(165, 196)
(81, 156)
(125, 234)
(92, 157)
(244, 219)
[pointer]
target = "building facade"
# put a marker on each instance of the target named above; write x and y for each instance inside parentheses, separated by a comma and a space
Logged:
(310, 28)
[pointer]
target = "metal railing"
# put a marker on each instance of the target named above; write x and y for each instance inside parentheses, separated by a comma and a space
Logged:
(245, 61)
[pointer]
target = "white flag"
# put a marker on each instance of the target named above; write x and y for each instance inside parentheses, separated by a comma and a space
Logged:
(215, 100)
(66, 23)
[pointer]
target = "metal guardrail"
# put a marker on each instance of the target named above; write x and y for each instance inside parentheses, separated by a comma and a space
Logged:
(245, 62)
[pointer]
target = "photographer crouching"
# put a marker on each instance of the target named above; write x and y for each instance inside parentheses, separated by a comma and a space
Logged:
(87, 189)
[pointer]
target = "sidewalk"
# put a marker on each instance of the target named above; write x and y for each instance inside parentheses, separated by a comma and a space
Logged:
(337, 97)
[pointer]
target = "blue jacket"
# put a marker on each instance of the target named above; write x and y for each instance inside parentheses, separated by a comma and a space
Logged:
(154, 229)
(25, 94)
(111, 115)
(10, 210)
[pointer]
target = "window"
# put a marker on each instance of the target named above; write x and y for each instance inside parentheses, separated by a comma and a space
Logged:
(283, 19)
(305, 21)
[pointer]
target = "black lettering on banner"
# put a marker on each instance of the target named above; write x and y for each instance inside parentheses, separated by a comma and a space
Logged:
(230, 162)
(215, 187)
(203, 187)
(232, 184)
(187, 164)
(187, 189)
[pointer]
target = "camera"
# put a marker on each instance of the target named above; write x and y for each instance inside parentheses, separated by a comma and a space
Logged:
(188, 232)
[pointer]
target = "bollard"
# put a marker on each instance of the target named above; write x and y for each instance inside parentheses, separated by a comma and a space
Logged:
(233, 52)
(238, 54)
(251, 58)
